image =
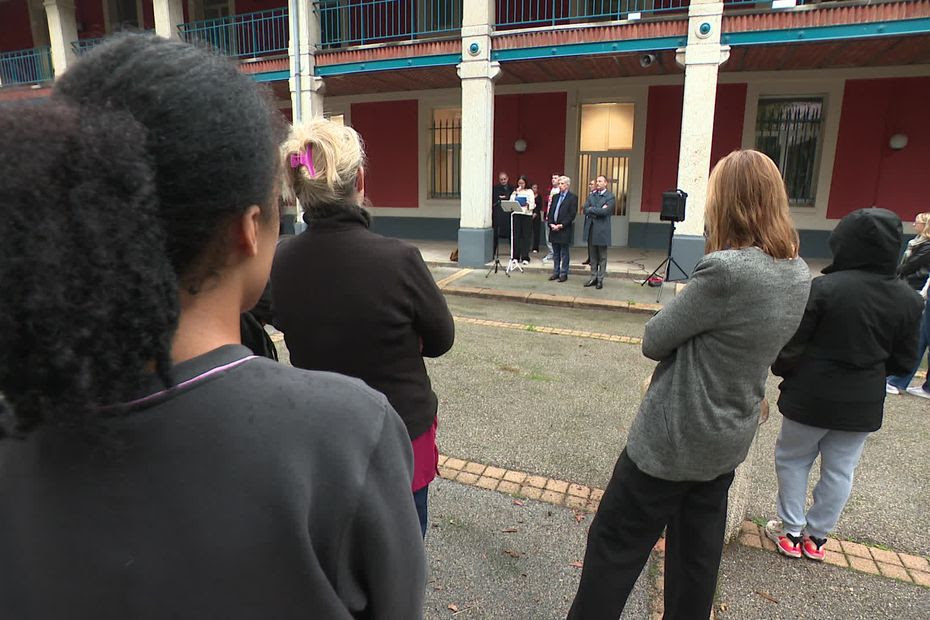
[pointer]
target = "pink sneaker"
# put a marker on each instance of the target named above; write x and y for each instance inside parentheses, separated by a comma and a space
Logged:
(785, 543)
(812, 547)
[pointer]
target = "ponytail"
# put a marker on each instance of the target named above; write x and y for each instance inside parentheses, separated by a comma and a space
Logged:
(89, 298)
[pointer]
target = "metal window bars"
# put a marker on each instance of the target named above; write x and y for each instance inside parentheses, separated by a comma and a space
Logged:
(789, 131)
(445, 159)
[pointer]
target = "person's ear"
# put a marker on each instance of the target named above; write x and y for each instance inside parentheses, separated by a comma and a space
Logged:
(360, 184)
(248, 230)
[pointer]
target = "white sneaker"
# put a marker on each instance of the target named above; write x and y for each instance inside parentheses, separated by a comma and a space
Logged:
(918, 391)
(890, 389)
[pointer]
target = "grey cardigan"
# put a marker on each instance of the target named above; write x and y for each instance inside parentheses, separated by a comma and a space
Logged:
(714, 343)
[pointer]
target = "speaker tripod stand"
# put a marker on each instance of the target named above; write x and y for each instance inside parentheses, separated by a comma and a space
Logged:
(497, 259)
(667, 263)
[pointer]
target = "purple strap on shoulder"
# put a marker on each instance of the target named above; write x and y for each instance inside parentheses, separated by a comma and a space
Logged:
(187, 383)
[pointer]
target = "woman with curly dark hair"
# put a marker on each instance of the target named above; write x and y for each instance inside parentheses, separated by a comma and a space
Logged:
(153, 467)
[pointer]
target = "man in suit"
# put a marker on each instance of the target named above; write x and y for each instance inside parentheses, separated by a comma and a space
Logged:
(500, 220)
(597, 211)
(560, 218)
(592, 187)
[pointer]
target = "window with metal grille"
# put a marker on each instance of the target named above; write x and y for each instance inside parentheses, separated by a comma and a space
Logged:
(789, 131)
(445, 179)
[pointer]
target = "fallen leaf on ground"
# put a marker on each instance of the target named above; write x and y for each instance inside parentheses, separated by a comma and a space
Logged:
(509, 530)
(512, 553)
(577, 564)
(767, 596)
(579, 516)
(453, 607)
(518, 502)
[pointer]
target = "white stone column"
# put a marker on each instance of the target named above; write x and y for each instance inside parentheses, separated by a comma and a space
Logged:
(62, 30)
(305, 36)
(168, 14)
(701, 59)
(477, 72)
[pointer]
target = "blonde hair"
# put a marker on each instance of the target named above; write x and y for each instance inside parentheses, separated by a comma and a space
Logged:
(747, 205)
(336, 153)
(923, 218)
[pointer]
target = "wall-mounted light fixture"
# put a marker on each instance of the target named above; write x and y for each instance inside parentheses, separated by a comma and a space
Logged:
(897, 141)
(520, 145)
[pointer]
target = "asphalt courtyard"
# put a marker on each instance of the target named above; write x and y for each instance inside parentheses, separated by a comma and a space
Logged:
(549, 393)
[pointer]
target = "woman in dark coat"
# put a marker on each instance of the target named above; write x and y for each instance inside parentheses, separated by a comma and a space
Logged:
(914, 268)
(353, 302)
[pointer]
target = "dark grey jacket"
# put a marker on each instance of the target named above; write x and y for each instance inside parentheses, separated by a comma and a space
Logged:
(597, 212)
(714, 343)
(566, 216)
(260, 491)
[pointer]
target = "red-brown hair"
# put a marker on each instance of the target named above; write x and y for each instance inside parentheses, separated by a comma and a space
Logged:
(747, 205)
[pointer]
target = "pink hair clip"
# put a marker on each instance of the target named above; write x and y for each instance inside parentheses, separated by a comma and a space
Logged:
(305, 158)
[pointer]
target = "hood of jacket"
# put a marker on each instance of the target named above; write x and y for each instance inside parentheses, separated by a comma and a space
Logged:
(867, 239)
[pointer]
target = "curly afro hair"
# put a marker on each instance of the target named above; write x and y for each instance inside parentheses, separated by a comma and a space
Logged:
(85, 307)
(114, 194)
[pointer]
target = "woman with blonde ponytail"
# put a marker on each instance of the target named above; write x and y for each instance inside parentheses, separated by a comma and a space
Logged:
(353, 302)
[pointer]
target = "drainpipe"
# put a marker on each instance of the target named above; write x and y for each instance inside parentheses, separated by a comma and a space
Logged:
(294, 23)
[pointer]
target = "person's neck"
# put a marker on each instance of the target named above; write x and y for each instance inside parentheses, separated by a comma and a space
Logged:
(209, 320)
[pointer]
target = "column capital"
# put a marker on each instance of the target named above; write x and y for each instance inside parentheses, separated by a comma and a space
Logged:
(479, 69)
(309, 84)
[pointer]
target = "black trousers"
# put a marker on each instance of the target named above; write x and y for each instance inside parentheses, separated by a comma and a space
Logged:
(537, 229)
(634, 510)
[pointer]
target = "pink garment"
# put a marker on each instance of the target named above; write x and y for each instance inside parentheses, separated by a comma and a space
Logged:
(425, 458)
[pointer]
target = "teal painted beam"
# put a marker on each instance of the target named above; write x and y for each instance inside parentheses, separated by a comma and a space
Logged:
(389, 64)
(271, 76)
(840, 32)
(588, 49)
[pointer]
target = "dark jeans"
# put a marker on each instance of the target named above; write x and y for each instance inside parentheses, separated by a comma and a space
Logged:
(420, 498)
(634, 510)
(903, 381)
(560, 259)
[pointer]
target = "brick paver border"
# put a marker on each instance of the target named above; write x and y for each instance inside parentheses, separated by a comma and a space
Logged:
(870, 559)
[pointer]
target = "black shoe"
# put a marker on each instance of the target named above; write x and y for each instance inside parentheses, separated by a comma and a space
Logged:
(563, 278)
(591, 282)
(553, 277)
(599, 285)
(586, 261)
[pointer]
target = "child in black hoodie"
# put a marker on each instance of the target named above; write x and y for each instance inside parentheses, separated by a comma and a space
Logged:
(860, 325)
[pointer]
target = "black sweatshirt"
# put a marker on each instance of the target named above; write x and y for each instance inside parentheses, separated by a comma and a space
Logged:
(860, 325)
(354, 302)
(261, 491)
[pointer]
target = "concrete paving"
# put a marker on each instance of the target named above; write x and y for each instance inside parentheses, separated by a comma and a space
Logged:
(620, 289)
(761, 585)
(621, 261)
(560, 406)
(486, 572)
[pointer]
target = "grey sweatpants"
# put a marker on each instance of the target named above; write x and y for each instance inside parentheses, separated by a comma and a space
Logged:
(795, 451)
